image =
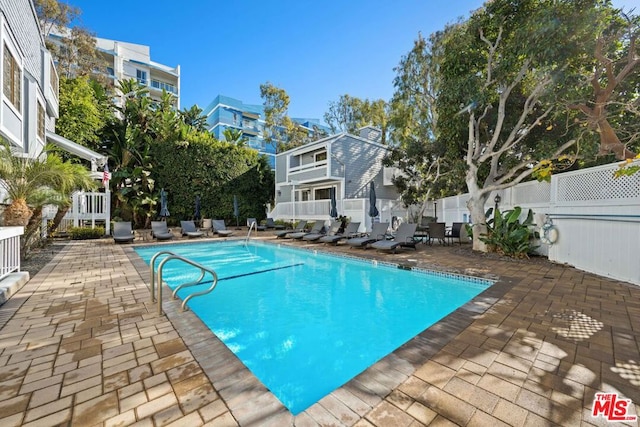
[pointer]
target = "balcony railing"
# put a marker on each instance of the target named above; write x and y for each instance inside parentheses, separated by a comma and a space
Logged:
(9, 250)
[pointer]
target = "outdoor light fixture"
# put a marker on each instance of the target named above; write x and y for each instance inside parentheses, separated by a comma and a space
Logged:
(497, 200)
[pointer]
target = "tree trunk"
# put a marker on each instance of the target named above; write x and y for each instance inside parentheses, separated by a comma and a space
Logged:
(476, 207)
(17, 213)
(31, 236)
(55, 222)
(610, 143)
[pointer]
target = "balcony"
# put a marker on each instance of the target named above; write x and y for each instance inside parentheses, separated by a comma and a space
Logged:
(313, 170)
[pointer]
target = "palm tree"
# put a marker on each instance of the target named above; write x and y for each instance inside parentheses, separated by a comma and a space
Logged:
(235, 136)
(193, 117)
(30, 183)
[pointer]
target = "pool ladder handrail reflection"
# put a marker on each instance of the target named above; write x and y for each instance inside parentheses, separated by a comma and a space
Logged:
(203, 271)
(251, 227)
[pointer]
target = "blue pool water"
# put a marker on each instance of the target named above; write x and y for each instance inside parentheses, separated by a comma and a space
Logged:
(307, 323)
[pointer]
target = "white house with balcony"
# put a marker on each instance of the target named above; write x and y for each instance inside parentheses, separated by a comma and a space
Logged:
(348, 163)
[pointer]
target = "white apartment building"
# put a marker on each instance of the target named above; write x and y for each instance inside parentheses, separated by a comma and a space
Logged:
(126, 61)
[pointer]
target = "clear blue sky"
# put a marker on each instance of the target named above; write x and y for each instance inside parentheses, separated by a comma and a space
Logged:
(315, 50)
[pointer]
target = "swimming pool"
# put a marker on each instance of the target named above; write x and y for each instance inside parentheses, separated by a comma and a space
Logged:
(306, 323)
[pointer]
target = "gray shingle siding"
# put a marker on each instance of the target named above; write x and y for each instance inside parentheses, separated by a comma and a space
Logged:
(24, 26)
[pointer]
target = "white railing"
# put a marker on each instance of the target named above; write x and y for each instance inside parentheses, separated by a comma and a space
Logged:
(9, 250)
(87, 208)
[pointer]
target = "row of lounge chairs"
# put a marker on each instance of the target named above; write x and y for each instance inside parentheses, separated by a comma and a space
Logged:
(122, 232)
(377, 238)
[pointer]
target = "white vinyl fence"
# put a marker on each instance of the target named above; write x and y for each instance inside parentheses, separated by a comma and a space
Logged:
(596, 215)
(9, 250)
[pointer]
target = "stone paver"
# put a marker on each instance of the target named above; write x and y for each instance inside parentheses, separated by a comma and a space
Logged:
(81, 344)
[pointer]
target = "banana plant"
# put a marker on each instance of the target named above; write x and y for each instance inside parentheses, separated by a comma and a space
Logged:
(507, 235)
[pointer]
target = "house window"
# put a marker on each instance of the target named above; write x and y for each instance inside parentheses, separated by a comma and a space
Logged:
(111, 71)
(54, 77)
(142, 77)
(322, 193)
(321, 156)
(11, 78)
(40, 121)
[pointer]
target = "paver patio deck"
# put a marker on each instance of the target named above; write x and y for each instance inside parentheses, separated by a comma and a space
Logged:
(82, 345)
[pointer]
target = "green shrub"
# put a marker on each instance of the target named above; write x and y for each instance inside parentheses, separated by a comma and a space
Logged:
(83, 233)
(507, 235)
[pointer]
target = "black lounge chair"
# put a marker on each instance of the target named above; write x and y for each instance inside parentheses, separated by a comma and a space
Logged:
(122, 232)
(300, 227)
(189, 229)
(271, 224)
(379, 232)
(349, 232)
(160, 231)
(258, 226)
(403, 238)
(333, 230)
(318, 226)
(220, 229)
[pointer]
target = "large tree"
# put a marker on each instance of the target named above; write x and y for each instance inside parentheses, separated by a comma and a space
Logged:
(416, 151)
(280, 130)
(499, 99)
(349, 113)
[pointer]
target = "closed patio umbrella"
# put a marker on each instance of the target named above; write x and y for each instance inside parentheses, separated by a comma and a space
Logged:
(333, 212)
(236, 210)
(373, 211)
(164, 210)
(196, 213)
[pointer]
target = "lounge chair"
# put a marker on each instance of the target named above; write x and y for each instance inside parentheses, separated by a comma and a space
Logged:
(403, 238)
(271, 224)
(160, 231)
(122, 232)
(317, 228)
(333, 230)
(378, 232)
(258, 226)
(349, 232)
(300, 227)
(189, 229)
(220, 229)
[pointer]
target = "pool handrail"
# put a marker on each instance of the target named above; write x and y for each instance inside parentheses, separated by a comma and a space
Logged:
(251, 227)
(170, 257)
(152, 273)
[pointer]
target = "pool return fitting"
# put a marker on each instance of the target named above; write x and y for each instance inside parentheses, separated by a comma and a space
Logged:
(170, 256)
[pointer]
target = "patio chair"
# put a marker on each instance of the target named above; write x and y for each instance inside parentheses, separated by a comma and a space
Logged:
(271, 224)
(333, 230)
(189, 229)
(258, 226)
(122, 232)
(317, 227)
(379, 232)
(454, 232)
(349, 232)
(160, 231)
(437, 232)
(220, 228)
(300, 227)
(403, 238)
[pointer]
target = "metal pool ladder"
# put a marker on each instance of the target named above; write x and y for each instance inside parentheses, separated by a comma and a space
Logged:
(203, 271)
(251, 227)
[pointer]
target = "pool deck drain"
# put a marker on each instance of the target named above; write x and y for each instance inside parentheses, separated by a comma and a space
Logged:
(81, 344)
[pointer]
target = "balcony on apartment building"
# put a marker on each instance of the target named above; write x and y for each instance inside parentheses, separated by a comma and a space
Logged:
(312, 165)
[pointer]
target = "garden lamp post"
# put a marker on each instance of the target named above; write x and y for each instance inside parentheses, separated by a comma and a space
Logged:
(497, 200)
